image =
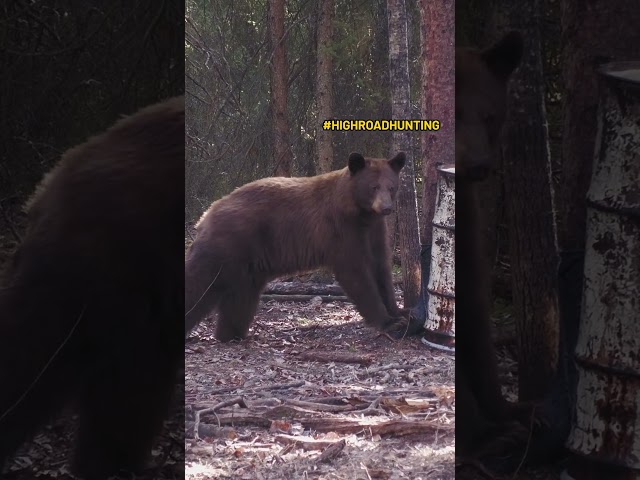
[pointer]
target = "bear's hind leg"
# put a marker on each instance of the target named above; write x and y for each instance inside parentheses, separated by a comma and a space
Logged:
(123, 405)
(236, 312)
(37, 362)
(202, 280)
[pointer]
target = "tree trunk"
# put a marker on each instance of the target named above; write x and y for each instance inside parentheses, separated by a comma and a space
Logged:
(438, 99)
(324, 85)
(407, 207)
(491, 195)
(529, 212)
(324, 100)
(283, 155)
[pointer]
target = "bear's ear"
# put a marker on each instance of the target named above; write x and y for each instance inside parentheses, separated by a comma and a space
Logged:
(504, 57)
(397, 162)
(356, 163)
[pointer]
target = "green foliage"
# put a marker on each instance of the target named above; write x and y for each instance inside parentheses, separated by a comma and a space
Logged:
(229, 138)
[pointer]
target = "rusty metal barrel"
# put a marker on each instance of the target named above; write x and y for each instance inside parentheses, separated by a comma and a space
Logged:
(440, 322)
(606, 430)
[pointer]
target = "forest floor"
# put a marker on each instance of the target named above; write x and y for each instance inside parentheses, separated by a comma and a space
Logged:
(314, 393)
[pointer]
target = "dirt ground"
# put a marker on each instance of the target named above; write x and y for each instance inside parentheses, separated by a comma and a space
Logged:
(314, 393)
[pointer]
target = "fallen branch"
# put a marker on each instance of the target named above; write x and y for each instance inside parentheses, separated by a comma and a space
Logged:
(280, 386)
(227, 403)
(309, 420)
(304, 442)
(331, 451)
(373, 408)
(370, 396)
(321, 407)
(277, 386)
(393, 366)
(338, 357)
(304, 298)
(298, 288)
(396, 428)
(207, 430)
(237, 419)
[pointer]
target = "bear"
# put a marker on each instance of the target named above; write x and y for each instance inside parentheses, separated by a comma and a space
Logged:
(481, 102)
(278, 226)
(90, 302)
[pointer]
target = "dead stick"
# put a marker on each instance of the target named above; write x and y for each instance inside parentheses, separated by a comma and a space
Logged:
(394, 366)
(227, 403)
(373, 408)
(340, 357)
(304, 298)
(320, 407)
(331, 451)
(278, 386)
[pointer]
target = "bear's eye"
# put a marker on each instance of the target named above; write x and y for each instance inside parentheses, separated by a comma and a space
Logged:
(375, 188)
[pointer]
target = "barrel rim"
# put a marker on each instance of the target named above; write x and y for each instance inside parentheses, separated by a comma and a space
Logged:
(608, 70)
(447, 168)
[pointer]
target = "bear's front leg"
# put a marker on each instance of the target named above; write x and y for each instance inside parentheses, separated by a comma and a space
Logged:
(380, 262)
(356, 278)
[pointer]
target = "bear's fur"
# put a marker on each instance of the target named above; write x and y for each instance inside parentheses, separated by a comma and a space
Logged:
(279, 226)
(90, 301)
(481, 97)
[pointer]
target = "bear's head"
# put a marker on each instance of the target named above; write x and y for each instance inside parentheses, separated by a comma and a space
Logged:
(375, 182)
(481, 103)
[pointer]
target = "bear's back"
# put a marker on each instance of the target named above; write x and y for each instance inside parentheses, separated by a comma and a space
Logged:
(111, 202)
(290, 221)
(123, 179)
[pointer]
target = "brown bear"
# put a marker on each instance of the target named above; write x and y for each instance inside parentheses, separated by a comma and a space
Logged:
(481, 97)
(278, 226)
(90, 302)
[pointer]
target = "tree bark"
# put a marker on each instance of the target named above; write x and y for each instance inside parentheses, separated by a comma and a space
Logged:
(283, 155)
(491, 195)
(529, 210)
(438, 99)
(324, 84)
(407, 207)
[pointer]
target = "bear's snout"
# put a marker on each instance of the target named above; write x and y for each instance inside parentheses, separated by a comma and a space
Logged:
(383, 204)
